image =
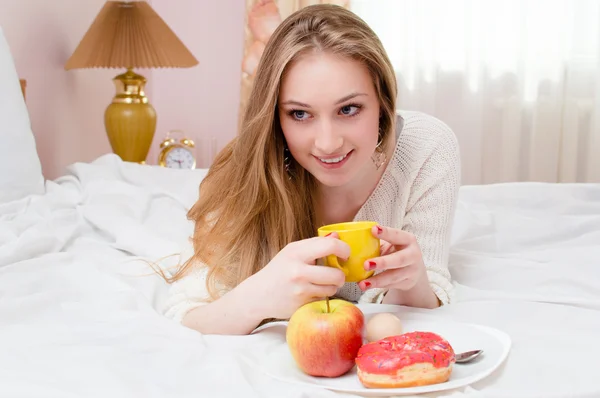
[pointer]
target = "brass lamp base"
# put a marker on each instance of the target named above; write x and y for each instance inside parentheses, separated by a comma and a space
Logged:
(130, 121)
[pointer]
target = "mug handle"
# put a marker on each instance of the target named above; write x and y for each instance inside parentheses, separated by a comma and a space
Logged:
(333, 260)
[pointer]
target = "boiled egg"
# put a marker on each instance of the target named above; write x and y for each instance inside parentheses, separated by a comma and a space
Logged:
(383, 325)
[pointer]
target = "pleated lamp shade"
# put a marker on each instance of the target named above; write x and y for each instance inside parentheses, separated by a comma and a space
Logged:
(130, 34)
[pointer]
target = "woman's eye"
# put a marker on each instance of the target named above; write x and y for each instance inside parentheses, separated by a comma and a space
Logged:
(349, 110)
(300, 115)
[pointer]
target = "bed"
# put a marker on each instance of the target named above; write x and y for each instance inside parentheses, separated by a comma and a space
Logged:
(80, 311)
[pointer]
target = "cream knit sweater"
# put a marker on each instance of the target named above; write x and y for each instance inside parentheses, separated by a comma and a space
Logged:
(417, 193)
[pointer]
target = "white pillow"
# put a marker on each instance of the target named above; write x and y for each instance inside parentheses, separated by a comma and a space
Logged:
(20, 168)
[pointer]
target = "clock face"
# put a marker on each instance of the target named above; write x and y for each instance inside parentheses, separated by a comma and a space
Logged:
(180, 158)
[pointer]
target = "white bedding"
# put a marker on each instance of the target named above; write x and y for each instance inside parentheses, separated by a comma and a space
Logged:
(78, 318)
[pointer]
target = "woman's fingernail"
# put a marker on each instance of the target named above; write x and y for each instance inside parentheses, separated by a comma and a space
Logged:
(372, 265)
(367, 284)
(328, 234)
(379, 229)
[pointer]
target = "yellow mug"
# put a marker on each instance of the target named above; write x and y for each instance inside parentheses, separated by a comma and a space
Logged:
(363, 246)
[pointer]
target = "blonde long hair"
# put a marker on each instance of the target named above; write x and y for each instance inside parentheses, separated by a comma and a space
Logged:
(249, 208)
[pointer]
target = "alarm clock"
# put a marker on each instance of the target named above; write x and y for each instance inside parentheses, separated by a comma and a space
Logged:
(177, 154)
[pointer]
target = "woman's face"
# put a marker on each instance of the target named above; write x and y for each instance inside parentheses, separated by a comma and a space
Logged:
(329, 113)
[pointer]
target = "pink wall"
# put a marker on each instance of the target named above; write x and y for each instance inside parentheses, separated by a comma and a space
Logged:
(202, 101)
(67, 107)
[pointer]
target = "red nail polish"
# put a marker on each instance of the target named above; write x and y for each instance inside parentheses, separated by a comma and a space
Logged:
(367, 285)
(372, 265)
(379, 229)
(328, 234)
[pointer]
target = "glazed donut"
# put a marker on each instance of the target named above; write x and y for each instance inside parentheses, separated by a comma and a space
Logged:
(407, 360)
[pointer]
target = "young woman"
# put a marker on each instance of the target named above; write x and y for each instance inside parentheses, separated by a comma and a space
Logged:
(320, 143)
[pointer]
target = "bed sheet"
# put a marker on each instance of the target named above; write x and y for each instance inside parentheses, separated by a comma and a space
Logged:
(80, 311)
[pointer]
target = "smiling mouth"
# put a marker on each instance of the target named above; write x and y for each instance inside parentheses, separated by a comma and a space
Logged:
(334, 160)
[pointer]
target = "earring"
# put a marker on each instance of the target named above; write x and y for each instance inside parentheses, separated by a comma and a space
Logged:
(379, 157)
(287, 161)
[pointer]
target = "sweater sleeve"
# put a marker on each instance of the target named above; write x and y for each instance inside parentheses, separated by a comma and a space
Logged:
(431, 207)
(187, 293)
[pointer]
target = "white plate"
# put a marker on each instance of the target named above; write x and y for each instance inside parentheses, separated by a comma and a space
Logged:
(280, 365)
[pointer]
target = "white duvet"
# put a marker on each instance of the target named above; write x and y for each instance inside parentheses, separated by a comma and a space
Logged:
(80, 311)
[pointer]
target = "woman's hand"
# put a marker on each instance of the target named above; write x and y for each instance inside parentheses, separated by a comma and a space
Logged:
(400, 267)
(291, 279)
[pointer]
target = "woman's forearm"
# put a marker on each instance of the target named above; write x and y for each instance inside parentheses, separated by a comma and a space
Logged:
(232, 314)
(420, 296)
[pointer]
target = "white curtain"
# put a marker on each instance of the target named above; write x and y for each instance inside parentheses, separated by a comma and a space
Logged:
(518, 81)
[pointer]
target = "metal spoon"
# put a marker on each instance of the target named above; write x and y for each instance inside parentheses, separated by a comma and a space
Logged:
(468, 356)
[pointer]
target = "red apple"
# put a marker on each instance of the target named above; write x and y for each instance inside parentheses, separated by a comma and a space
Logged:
(325, 343)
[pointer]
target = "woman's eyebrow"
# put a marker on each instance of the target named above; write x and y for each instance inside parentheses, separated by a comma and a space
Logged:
(292, 102)
(349, 97)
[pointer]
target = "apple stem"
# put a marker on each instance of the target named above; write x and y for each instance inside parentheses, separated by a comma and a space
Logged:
(327, 301)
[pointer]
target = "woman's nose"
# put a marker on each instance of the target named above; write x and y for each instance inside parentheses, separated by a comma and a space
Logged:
(327, 140)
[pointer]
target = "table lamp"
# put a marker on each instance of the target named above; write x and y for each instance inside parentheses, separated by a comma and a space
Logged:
(128, 35)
